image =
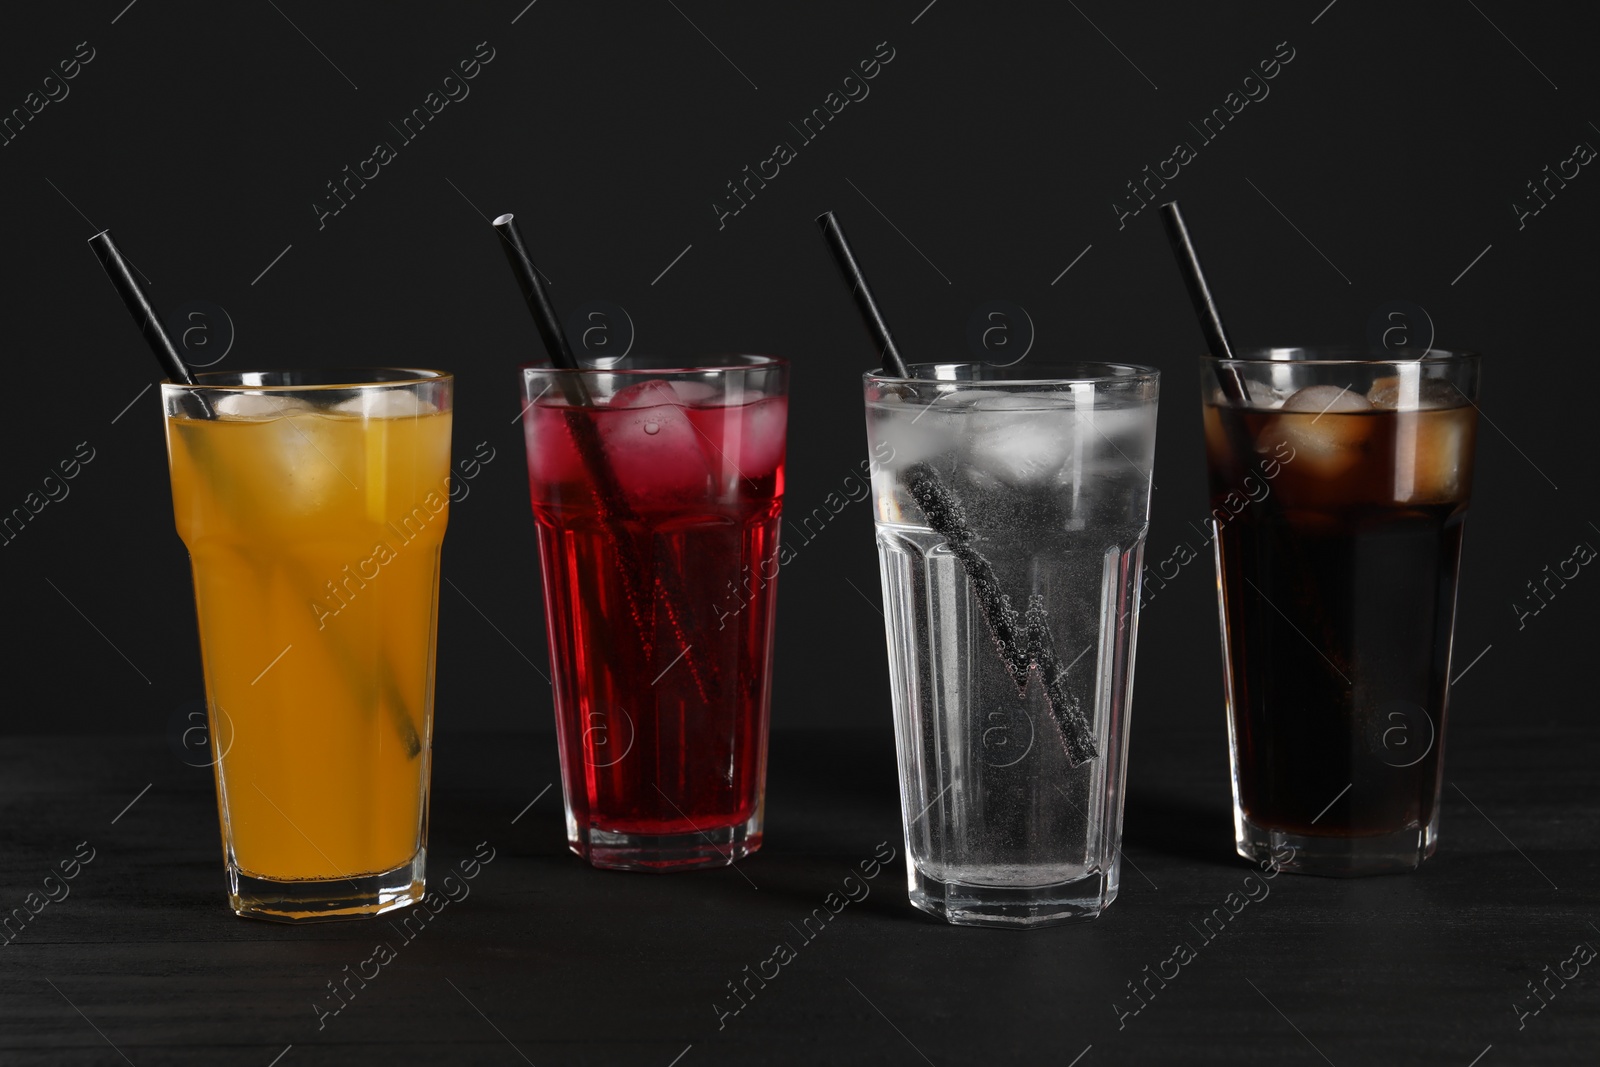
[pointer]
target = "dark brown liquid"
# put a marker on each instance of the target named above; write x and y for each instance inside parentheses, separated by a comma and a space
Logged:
(1339, 550)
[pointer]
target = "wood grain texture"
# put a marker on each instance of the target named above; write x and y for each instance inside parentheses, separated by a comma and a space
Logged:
(576, 966)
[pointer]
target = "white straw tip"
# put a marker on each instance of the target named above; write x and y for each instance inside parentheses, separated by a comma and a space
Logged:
(503, 219)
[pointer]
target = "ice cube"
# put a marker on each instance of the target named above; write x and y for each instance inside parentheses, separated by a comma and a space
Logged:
(762, 437)
(553, 458)
(741, 442)
(1324, 399)
(384, 404)
(1328, 440)
(950, 404)
(1429, 393)
(696, 392)
(259, 406)
(316, 458)
(1018, 450)
(645, 394)
(909, 432)
(989, 400)
(984, 411)
(655, 452)
(1262, 395)
(951, 399)
(1123, 426)
(1440, 456)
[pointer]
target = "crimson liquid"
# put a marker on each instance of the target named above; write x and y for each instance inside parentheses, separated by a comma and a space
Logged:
(657, 514)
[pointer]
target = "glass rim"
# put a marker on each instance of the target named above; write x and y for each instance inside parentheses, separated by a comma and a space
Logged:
(1121, 372)
(346, 378)
(752, 362)
(1340, 356)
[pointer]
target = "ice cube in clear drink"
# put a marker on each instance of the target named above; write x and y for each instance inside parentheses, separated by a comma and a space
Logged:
(1019, 439)
(910, 430)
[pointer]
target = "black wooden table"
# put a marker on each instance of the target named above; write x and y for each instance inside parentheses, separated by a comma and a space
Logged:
(540, 959)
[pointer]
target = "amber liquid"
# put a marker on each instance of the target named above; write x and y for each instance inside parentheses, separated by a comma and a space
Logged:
(315, 543)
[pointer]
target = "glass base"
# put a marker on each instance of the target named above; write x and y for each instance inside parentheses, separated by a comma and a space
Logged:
(1335, 856)
(322, 900)
(719, 846)
(1016, 907)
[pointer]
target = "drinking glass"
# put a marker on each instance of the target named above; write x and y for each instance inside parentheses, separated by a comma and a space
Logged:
(313, 505)
(1339, 488)
(1011, 509)
(657, 486)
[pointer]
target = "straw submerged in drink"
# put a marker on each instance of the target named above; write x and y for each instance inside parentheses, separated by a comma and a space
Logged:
(339, 459)
(1011, 505)
(1340, 478)
(612, 504)
(1023, 646)
(241, 406)
(656, 488)
(1236, 394)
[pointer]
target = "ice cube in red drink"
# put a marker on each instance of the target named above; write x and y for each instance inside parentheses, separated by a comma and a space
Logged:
(652, 447)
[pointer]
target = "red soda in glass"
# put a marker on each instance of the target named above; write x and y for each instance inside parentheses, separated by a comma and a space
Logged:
(656, 492)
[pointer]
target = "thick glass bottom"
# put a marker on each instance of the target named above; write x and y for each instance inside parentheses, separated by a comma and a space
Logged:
(712, 846)
(321, 900)
(1016, 907)
(1337, 856)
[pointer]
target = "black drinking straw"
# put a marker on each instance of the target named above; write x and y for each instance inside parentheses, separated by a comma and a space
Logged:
(1216, 335)
(166, 353)
(1205, 308)
(138, 305)
(1232, 382)
(537, 296)
(615, 511)
(871, 317)
(1022, 643)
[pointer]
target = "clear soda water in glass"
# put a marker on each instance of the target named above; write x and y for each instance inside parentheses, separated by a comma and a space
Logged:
(1011, 506)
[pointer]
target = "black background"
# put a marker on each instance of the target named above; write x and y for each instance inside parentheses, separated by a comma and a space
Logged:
(996, 140)
(986, 160)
